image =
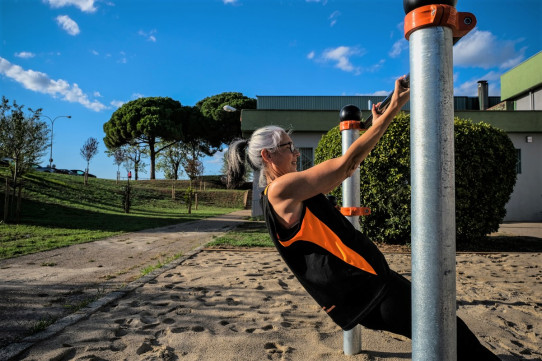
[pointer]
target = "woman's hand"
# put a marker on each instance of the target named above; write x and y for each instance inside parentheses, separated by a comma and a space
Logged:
(375, 111)
(400, 95)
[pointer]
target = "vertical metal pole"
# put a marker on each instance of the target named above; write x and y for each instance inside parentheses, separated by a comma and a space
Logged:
(350, 193)
(433, 195)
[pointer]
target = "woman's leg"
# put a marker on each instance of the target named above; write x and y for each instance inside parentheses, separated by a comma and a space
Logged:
(394, 314)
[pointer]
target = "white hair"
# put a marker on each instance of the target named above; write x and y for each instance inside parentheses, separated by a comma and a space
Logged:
(250, 150)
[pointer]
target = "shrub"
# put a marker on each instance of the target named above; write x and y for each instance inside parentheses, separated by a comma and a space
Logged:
(485, 170)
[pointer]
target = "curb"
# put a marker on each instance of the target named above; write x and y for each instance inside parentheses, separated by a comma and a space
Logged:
(15, 349)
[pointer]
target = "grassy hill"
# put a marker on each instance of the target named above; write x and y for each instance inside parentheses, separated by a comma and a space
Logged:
(59, 210)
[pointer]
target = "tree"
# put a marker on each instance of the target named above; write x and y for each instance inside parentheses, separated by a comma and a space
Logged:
(133, 159)
(23, 140)
(118, 158)
(145, 121)
(88, 151)
(485, 174)
(227, 125)
(171, 160)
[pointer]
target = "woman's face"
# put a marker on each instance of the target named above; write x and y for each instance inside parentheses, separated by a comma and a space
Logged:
(283, 159)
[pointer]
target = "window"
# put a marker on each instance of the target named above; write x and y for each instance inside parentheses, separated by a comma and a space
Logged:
(305, 159)
(518, 163)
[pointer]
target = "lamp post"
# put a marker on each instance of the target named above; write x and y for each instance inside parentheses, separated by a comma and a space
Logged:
(52, 126)
(229, 108)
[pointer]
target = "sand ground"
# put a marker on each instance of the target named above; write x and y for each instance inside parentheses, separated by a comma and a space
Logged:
(246, 305)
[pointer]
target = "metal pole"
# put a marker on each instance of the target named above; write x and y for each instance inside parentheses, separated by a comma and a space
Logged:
(433, 195)
(52, 127)
(350, 193)
(51, 154)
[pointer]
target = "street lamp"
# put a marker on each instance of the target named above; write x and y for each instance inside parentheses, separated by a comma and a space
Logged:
(229, 108)
(52, 126)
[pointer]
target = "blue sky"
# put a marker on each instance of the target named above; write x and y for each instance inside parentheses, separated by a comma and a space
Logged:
(85, 58)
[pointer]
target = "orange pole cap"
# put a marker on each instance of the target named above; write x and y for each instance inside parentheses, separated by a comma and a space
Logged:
(439, 15)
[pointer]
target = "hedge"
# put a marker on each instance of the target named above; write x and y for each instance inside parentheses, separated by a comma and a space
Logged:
(485, 175)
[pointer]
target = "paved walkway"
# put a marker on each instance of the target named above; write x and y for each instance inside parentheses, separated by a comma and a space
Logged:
(39, 288)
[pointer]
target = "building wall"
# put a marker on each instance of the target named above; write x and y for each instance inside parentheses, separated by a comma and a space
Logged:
(525, 203)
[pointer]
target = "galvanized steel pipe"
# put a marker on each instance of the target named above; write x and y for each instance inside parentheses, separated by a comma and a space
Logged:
(350, 194)
(433, 195)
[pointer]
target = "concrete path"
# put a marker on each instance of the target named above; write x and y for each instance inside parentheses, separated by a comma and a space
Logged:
(40, 288)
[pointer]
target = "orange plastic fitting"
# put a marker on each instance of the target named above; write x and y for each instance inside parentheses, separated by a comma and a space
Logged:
(350, 124)
(355, 211)
(439, 15)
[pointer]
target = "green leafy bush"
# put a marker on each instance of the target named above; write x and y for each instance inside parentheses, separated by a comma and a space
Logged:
(485, 169)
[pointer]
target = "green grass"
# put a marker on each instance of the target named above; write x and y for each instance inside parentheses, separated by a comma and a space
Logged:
(59, 210)
(253, 234)
(159, 264)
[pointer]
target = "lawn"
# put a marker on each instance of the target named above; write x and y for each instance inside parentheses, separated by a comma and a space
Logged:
(59, 210)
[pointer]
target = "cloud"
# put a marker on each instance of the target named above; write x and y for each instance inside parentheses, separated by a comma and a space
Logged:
(137, 96)
(482, 49)
(470, 87)
(381, 93)
(232, 2)
(94, 52)
(310, 55)
(68, 24)
(117, 103)
(324, 2)
(398, 47)
(333, 17)
(40, 82)
(150, 35)
(341, 56)
(25, 54)
(86, 6)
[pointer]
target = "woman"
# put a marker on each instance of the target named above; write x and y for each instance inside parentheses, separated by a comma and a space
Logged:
(337, 265)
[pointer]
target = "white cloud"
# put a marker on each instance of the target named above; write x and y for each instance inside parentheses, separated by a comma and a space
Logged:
(40, 82)
(381, 93)
(218, 157)
(341, 55)
(97, 94)
(150, 35)
(310, 55)
(117, 103)
(398, 47)
(84, 5)
(68, 24)
(94, 52)
(324, 2)
(482, 49)
(470, 87)
(137, 96)
(333, 17)
(233, 2)
(25, 54)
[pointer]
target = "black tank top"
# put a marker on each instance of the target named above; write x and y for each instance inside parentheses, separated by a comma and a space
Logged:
(338, 266)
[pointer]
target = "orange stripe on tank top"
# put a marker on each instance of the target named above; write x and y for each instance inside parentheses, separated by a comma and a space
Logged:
(315, 231)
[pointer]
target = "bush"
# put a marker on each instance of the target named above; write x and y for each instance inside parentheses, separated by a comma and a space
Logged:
(485, 169)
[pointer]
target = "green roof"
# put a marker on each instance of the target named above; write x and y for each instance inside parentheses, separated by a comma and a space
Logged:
(522, 78)
(322, 121)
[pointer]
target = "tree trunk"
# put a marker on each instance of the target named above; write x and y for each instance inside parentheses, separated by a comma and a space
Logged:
(6, 202)
(152, 154)
(19, 199)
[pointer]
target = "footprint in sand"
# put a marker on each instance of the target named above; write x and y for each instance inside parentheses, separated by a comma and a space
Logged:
(276, 351)
(282, 284)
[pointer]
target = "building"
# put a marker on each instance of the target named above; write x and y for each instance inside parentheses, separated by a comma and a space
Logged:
(519, 114)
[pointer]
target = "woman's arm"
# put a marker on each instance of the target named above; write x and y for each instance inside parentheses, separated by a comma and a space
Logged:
(288, 191)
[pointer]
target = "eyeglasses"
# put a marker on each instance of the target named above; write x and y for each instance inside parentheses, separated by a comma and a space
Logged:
(293, 149)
